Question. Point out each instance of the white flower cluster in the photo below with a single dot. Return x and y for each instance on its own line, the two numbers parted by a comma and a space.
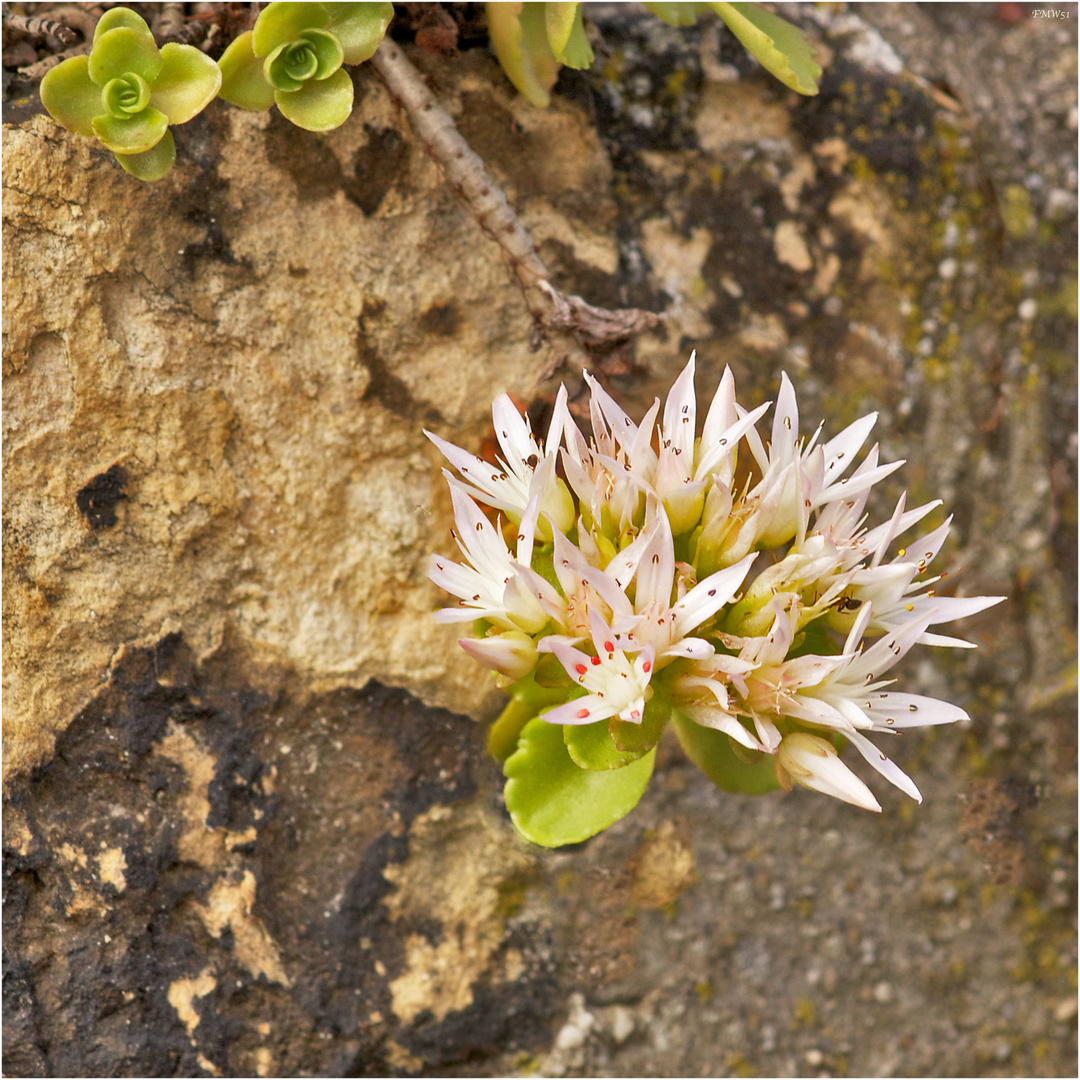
652, 562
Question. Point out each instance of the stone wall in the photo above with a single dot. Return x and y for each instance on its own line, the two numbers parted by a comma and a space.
249, 825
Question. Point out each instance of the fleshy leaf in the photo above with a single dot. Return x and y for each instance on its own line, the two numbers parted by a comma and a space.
577, 52
125, 96
528, 700
281, 74
152, 164
558, 22
282, 22
553, 802
134, 135
592, 747
319, 106
637, 738
711, 752
122, 51
70, 97
676, 14
189, 80
776, 44
117, 17
327, 50
242, 80
359, 27
519, 37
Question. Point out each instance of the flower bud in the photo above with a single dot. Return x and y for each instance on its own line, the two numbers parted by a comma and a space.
814, 763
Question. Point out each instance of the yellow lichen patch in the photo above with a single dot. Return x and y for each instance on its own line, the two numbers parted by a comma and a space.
197, 843
400, 1058
663, 867
677, 263
734, 114
183, 994
111, 867
457, 862
790, 247
229, 907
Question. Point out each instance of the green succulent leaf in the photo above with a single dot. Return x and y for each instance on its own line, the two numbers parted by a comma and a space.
592, 747
359, 28
553, 802
281, 23
676, 14
125, 96
711, 751
327, 50
559, 22
70, 97
189, 80
133, 135
577, 52
152, 164
637, 738
318, 106
528, 700
284, 68
242, 80
124, 51
519, 36
776, 44
117, 17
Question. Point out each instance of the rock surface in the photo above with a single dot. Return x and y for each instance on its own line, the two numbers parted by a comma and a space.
249, 827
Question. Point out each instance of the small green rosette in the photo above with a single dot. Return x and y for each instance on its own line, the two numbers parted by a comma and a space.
127, 93
293, 59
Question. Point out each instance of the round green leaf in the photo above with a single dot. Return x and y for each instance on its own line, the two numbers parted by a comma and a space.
576, 52
319, 106
242, 81
134, 135
189, 80
359, 28
281, 23
527, 701
558, 22
779, 47
553, 802
70, 97
289, 66
326, 49
124, 51
120, 16
519, 37
152, 164
592, 747
711, 752
125, 96
637, 738
677, 14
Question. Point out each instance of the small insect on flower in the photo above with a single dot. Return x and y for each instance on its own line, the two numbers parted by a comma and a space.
635, 600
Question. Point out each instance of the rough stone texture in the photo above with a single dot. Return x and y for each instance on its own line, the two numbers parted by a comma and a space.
243, 833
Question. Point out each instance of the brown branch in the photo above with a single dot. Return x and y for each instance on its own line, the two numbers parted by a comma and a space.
485, 201
42, 67
40, 27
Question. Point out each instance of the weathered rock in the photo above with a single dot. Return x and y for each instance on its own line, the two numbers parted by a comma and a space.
248, 824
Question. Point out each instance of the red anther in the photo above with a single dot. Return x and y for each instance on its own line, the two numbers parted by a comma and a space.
581, 669
646, 667
608, 646
595, 660
582, 713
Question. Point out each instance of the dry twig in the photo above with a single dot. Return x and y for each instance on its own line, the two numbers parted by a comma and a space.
40, 27
485, 201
